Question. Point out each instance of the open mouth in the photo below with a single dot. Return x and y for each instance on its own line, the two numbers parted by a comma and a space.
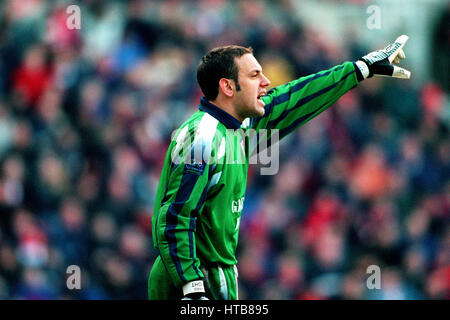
258, 97
261, 94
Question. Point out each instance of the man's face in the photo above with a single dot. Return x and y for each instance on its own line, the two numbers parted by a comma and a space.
253, 85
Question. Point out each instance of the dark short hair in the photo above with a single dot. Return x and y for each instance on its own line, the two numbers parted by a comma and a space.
219, 63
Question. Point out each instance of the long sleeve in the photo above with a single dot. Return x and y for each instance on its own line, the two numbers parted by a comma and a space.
293, 104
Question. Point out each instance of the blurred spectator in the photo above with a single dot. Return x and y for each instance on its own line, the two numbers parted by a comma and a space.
33, 76
441, 48
86, 116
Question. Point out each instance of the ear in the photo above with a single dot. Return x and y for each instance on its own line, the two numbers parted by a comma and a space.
227, 87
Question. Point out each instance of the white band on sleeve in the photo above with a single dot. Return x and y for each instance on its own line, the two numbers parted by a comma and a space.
193, 287
362, 66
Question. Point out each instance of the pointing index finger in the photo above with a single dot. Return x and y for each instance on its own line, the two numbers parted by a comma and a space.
399, 43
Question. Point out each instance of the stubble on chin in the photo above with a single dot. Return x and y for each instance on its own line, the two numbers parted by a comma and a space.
255, 113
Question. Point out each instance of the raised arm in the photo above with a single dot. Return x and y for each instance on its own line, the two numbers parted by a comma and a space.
295, 103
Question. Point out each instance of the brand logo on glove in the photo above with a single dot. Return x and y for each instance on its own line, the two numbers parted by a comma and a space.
392, 47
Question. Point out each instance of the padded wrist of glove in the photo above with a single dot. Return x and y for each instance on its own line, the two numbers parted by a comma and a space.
194, 290
363, 68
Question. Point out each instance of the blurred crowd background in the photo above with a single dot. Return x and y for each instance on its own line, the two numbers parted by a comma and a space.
86, 117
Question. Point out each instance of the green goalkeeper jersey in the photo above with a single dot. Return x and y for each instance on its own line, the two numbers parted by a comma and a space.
201, 191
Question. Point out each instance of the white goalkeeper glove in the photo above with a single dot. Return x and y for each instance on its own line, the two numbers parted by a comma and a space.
379, 62
194, 290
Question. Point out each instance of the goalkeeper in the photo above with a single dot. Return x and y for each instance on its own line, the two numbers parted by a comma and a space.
198, 204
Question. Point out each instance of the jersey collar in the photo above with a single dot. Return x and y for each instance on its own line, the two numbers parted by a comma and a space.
228, 120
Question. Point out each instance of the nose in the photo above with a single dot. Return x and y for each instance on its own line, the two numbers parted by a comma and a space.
265, 82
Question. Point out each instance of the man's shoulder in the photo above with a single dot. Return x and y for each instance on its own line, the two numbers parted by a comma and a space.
195, 137
200, 126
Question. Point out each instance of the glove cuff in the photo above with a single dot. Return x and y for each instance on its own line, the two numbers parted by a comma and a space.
363, 68
195, 286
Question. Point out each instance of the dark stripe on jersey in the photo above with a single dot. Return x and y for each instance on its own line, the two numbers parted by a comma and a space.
277, 100
273, 123
187, 184
173, 167
191, 244
192, 227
